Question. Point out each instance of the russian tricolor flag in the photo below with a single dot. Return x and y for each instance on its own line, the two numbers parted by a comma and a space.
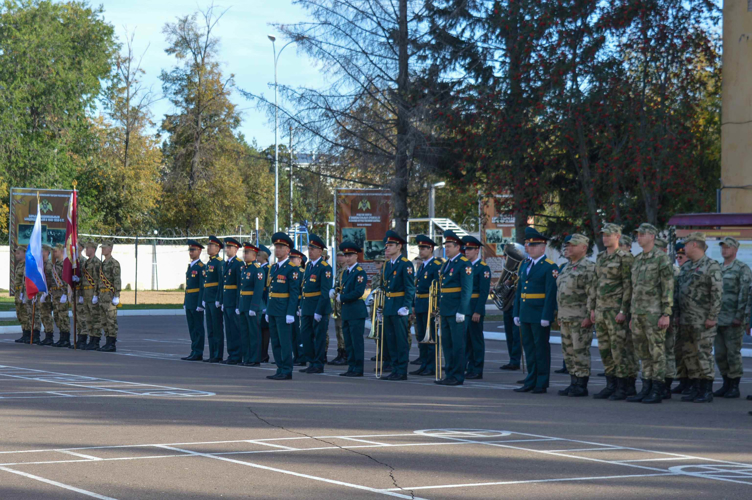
35, 280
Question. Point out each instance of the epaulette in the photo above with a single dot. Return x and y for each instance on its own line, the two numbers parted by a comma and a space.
482, 263
256, 264
549, 261
359, 268
302, 269
238, 259
200, 264
404, 259
438, 261
216, 257
324, 263
464, 259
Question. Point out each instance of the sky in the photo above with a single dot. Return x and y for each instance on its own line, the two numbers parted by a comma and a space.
245, 50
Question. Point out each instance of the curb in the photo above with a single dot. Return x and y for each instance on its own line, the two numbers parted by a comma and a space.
127, 312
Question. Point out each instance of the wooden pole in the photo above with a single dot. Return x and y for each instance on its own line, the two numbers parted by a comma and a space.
75, 332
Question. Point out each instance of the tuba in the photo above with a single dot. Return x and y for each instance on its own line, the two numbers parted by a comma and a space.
503, 293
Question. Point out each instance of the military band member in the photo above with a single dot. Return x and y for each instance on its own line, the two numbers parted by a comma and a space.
534, 307
699, 301
263, 259
45, 299
733, 318
193, 301
92, 313
354, 312
573, 287
299, 356
428, 271
609, 303
476, 344
652, 303
316, 307
399, 285
377, 282
213, 274
341, 358
19, 287
250, 305
59, 294
454, 307
283, 305
230, 283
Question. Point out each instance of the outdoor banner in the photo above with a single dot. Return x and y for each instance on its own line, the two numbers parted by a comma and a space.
53, 207
363, 216
496, 229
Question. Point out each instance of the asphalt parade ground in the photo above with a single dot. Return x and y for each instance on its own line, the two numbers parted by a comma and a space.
140, 423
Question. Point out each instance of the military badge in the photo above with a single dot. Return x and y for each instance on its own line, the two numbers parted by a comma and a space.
469, 270
294, 276
486, 274
260, 276
555, 273
425, 276
360, 279
328, 274
313, 278
409, 269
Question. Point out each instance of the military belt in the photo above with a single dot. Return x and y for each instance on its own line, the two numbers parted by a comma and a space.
56, 288
533, 295
312, 294
230, 287
246, 292
451, 290
395, 294
475, 296
193, 290
106, 289
279, 295
422, 295
87, 288
208, 285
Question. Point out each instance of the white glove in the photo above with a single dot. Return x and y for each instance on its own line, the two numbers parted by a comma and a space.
200, 309
95, 300
517, 321
264, 312
42, 297
298, 313
80, 300
203, 304
223, 307
251, 313
266, 316
317, 317
289, 319
237, 311
403, 311
217, 304
332, 293
545, 323
115, 301
75, 278
339, 299
460, 318
64, 299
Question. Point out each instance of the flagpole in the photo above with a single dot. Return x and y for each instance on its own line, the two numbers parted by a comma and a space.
33, 315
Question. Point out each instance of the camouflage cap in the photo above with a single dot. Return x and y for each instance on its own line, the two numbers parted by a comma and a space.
698, 236
729, 241
91, 243
579, 239
647, 228
661, 243
108, 243
60, 246
46, 247
625, 240
340, 252
611, 229
20, 247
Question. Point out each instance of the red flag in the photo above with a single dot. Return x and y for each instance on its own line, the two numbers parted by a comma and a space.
70, 264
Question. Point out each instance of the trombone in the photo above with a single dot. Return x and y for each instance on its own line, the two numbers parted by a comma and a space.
377, 329
433, 336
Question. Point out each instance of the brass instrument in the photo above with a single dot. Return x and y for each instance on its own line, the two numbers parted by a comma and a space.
337, 308
433, 316
504, 291
377, 328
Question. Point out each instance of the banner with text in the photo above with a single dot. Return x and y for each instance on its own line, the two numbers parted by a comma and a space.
496, 230
364, 216
53, 207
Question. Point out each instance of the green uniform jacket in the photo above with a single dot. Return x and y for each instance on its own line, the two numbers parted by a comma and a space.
231, 283
194, 286
456, 286
251, 290
399, 283
212, 275
353, 288
536, 291
284, 290
481, 287
424, 277
317, 282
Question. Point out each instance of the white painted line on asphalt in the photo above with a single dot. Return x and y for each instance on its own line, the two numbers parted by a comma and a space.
55, 483
274, 445
81, 455
296, 474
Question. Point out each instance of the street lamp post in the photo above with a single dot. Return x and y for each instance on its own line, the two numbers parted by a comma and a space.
432, 205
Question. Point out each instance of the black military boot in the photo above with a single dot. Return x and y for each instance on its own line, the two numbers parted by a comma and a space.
667, 388
607, 391
93, 344
64, 340
733, 391
25, 337
690, 393
567, 390
580, 388
704, 392
647, 387
80, 343
679, 389
109, 346
48, 340
657, 393
621, 390
36, 337
630, 388
341, 358
563, 370
724, 388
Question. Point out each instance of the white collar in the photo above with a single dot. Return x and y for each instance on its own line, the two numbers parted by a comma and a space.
476, 260
352, 267
279, 264
455, 257
426, 262
311, 264
395, 260
194, 262
538, 259
264, 264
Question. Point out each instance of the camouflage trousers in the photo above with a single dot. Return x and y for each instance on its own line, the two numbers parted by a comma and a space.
60, 313
45, 309
670, 348
697, 351
340, 335
90, 315
109, 314
23, 313
615, 345
650, 345
575, 345
728, 350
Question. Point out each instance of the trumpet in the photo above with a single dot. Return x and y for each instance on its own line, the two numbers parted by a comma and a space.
433, 335
377, 329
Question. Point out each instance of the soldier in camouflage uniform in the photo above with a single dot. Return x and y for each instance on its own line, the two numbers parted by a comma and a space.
59, 296
674, 358
109, 296
699, 302
90, 313
45, 300
652, 302
733, 318
573, 288
19, 287
609, 302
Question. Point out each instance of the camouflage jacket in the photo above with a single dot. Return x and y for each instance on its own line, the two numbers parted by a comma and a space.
652, 283
109, 278
49, 279
613, 282
735, 298
90, 274
699, 291
573, 289
57, 285
19, 283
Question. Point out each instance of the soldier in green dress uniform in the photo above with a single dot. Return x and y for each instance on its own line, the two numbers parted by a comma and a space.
250, 305
427, 273
193, 301
316, 306
476, 344
213, 273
